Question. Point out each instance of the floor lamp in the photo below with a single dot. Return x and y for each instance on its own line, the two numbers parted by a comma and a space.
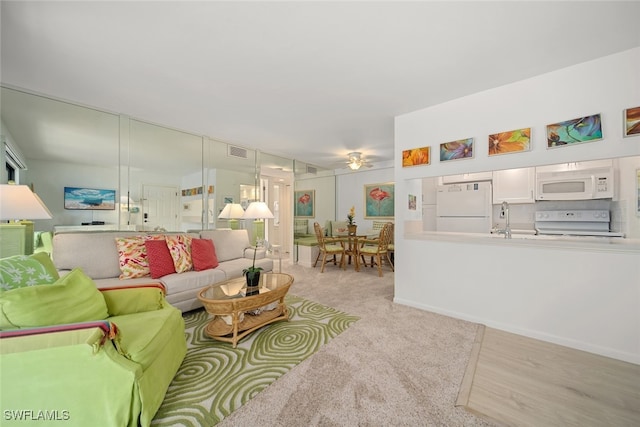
231, 212
18, 203
258, 211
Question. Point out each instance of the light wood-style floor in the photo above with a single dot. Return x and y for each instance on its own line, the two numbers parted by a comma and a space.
520, 381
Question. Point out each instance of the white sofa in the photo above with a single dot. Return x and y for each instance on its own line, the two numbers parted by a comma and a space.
97, 254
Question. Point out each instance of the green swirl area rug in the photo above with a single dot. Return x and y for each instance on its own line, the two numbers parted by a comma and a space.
216, 379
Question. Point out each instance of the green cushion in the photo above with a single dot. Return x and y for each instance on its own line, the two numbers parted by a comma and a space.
21, 270
145, 335
72, 298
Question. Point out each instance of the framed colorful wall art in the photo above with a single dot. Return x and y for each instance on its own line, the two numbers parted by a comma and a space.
89, 199
456, 150
574, 131
513, 141
416, 157
305, 203
379, 200
632, 121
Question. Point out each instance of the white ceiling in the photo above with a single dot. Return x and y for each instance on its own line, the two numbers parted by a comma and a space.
305, 80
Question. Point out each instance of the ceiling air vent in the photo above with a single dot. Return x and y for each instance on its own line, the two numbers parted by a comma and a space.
237, 152
312, 170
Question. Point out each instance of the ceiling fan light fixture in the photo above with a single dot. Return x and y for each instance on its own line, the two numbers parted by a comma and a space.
355, 161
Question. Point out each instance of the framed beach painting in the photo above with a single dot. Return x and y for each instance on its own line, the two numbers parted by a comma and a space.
416, 157
89, 199
305, 201
632, 121
456, 150
513, 141
574, 131
379, 200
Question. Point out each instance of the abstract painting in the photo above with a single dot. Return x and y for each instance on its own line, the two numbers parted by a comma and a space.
305, 203
416, 157
454, 150
575, 131
632, 121
379, 200
513, 141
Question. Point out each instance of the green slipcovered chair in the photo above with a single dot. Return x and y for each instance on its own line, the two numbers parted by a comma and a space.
82, 356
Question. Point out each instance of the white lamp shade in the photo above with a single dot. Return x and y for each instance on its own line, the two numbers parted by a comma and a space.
231, 211
19, 202
258, 210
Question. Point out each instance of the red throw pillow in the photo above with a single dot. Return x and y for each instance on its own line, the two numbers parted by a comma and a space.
159, 258
203, 254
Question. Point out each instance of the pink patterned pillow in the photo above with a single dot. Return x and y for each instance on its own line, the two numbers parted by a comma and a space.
180, 249
160, 260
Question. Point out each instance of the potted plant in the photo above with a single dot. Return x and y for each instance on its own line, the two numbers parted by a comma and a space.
253, 275
350, 221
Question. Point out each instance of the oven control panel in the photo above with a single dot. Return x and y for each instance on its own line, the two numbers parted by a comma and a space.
573, 216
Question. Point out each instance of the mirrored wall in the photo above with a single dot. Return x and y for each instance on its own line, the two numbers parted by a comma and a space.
165, 179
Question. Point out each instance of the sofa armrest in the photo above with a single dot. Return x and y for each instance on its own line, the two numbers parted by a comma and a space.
134, 299
93, 334
68, 371
260, 253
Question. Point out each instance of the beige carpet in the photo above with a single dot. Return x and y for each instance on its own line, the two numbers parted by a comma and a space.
396, 366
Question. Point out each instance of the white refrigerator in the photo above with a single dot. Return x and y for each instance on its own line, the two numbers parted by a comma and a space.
464, 208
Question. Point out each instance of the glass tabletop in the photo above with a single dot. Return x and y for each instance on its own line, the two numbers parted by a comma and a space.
237, 288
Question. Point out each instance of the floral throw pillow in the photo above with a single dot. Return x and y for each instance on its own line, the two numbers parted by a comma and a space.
133, 256
180, 249
22, 270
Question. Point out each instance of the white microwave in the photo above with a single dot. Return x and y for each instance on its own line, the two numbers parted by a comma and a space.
575, 185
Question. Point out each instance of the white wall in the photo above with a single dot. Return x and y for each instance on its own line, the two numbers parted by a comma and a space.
350, 192
325, 191
587, 299
606, 86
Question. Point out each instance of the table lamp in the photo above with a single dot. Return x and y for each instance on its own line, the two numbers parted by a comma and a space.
19, 203
231, 212
258, 211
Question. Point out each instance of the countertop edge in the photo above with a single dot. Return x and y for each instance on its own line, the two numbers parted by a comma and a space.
599, 244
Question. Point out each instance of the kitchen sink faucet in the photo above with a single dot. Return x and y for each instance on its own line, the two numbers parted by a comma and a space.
507, 226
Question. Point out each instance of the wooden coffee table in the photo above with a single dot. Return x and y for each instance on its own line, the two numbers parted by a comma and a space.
228, 301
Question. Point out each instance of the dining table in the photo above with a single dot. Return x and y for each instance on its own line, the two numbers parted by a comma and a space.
352, 246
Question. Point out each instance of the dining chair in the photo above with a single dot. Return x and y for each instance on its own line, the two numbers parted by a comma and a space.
377, 249
329, 248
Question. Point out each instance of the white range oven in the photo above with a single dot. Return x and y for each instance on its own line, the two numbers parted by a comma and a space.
575, 223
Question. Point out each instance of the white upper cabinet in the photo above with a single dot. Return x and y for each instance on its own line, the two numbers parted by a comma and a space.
467, 177
514, 186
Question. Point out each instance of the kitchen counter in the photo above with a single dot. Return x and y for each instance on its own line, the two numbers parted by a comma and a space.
526, 238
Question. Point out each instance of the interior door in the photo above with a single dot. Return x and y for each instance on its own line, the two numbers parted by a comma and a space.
159, 207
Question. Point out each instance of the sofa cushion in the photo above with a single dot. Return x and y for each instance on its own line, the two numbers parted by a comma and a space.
84, 249
144, 335
191, 280
72, 298
21, 270
180, 249
203, 254
230, 244
159, 258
